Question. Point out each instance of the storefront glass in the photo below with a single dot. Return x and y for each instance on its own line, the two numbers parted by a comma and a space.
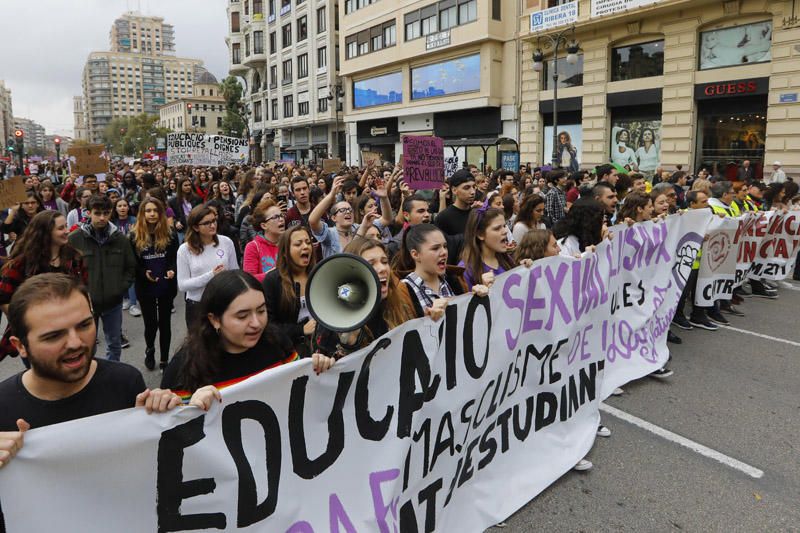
570, 141
639, 60
726, 140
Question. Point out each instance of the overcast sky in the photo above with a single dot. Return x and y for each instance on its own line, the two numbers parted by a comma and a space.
47, 43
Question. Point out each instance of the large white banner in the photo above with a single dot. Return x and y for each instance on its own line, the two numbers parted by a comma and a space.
448, 426
760, 245
205, 150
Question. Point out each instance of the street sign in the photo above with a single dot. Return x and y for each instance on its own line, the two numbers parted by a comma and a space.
788, 98
378, 131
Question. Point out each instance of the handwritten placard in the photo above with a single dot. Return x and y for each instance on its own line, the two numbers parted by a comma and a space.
331, 165
88, 159
373, 158
12, 191
424, 161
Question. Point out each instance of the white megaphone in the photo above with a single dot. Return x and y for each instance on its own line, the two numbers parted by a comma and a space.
343, 292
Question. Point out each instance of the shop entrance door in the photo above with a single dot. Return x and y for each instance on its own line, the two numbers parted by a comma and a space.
726, 137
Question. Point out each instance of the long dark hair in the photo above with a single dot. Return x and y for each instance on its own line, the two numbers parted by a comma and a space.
413, 239
585, 221
471, 254
33, 246
203, 345
527, 208
285, 265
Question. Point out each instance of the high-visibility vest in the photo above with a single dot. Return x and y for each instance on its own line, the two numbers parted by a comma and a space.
750, 205
720, 210
735, 209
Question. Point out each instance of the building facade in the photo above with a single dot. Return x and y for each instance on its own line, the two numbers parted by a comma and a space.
79, 129
202, 112
34, 136
663, 83
286, 51
446, 68
139, 74
6, 113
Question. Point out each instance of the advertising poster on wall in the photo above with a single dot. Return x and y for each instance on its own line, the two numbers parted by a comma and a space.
636, 143
570, 140
728, 47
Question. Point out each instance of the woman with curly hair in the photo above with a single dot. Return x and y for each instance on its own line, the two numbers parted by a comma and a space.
583, 227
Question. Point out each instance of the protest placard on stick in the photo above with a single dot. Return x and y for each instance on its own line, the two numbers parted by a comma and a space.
424, 161
86, 160
12, 191
331, 165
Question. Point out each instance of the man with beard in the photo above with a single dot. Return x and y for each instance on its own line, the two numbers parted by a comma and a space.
53, 327
604, 193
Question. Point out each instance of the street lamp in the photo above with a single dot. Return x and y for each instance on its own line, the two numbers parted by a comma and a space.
338, 95
573, 48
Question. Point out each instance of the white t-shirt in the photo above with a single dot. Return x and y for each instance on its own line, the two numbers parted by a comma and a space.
570, 246
195, 271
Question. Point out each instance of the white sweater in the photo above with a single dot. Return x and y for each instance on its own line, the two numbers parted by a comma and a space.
195, 271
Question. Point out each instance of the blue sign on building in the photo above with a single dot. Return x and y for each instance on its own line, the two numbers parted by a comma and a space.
788, 98
509, 160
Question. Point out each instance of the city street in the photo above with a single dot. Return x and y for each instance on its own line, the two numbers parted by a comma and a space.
714, 448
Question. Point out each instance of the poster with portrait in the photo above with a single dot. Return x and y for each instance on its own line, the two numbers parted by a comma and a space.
739, 45
636, 144
570, 140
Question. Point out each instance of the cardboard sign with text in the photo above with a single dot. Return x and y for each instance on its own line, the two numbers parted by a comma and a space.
424, 161
331, 165
88, 159
12, 191
373, 157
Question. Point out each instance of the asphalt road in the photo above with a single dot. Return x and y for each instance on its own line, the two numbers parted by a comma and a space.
735, 393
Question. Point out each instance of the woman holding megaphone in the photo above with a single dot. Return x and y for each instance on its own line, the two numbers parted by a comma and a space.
395, 307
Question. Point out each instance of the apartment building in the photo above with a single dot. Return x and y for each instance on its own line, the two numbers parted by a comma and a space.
6, 113
287, 53
33, 132
139, 74
432, 67
662, 83
200, 113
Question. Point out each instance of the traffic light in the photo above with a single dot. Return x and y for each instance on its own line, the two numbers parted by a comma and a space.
19, 139
10, 146
57, 142
189, 107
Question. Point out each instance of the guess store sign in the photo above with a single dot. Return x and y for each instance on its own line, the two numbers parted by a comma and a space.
729, 89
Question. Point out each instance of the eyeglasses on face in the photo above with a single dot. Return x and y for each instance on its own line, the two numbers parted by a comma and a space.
211, 222
345, 210
274, 217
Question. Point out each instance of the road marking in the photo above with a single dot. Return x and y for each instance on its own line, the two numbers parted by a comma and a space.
768, 337
683, 441
791, 286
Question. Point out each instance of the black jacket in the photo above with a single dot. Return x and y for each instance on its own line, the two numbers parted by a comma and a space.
286, 321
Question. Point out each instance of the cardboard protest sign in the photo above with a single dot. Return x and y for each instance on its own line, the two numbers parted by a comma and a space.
331, 165
88, 159
370, 157
12, 191
424, 161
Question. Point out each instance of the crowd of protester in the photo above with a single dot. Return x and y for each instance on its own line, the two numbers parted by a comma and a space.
239, 244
